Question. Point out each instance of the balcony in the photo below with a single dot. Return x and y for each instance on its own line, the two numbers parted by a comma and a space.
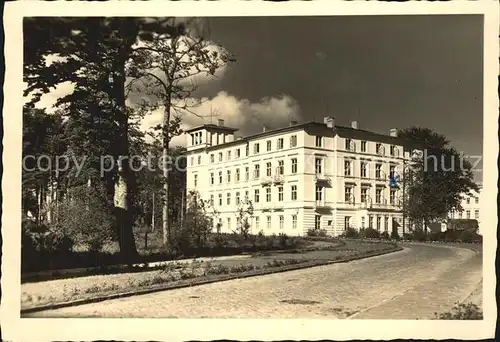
321, 178
266, 181
278, 179
349, 200
278, 206
365, 205
322, 204
266, 207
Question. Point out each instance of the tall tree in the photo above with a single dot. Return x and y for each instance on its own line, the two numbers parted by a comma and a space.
43, 139
166, 68
92, 54
439, 177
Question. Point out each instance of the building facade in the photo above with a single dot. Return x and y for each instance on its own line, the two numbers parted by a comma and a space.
301, 177
470, 208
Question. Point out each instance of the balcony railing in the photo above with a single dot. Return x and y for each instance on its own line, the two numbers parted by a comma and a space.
321, 178
278, 207
278, 179
365, 204
322, 204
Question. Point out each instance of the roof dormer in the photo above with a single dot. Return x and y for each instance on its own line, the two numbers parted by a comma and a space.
209, 135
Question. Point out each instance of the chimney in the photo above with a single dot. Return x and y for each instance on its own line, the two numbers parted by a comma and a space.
293, 123
393, 132
355, 124
329, 121
264, 128
220, 122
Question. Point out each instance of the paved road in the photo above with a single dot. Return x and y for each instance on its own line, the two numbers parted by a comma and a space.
414, 283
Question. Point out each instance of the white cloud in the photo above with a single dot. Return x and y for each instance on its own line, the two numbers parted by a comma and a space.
248, 116
48, 100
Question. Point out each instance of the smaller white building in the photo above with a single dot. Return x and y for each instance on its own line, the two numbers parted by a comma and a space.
470, 208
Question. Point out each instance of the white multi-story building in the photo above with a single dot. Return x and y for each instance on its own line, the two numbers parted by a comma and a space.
304, 176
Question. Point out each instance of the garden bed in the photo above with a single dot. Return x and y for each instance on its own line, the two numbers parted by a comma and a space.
65, 292
109, 259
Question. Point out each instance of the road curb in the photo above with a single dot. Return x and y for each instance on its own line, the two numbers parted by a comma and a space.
206, 280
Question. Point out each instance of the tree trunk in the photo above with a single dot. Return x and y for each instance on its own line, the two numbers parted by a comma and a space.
165, 221
56, 201
124, 178
36, 214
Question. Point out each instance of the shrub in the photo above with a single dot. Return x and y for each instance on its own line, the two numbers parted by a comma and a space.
462, 311
436, 236
370, 233
316, 232
219, 239
260, 239
384, 236
85, 217
351, 233
282, 240
274, 263
197, 225
418, 235
408, 236
395, 235
245, 211
469, 236
218, 269
43, 239
242, 268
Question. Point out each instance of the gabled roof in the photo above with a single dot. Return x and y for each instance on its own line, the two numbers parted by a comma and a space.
211, 127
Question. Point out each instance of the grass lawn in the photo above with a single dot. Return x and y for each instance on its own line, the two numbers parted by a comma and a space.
63, 290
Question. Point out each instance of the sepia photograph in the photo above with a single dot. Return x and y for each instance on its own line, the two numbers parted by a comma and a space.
219, 166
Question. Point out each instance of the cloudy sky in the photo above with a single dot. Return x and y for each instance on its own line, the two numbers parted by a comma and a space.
383, 71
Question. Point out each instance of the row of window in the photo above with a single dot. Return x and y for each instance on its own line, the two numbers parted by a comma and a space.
365, 197
467, 214
349, 145
256, 222
363, 170
475, 198
197, 138
348, 195
280, 144
347, 222
256, 196
280, 170
378, 222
